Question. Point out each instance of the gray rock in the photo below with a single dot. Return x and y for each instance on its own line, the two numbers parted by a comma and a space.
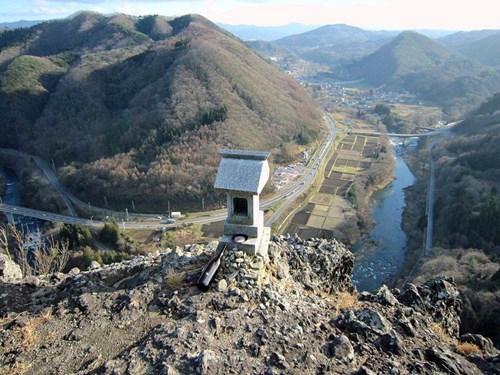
208, 363
391, 342
374, 320
32, 281
450, 362
278, 360
222, 285
384, 296
74, 271
9, 270
94, 265
363, 370
341, 348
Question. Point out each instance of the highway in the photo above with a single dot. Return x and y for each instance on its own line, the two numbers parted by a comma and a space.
310, 174
288, 194
55, 183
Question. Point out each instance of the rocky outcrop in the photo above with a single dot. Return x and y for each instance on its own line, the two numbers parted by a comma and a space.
144, 316
9, 270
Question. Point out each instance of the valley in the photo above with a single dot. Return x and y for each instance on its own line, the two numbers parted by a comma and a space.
113, 125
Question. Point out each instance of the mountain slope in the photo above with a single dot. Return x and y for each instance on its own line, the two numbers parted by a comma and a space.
461, 38
299, 316
138, 107
333, 43
486, 50
418, 64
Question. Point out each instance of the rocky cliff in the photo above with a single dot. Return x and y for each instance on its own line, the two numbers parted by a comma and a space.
296, 312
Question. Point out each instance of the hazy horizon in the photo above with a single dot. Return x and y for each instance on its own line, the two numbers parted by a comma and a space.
367, 14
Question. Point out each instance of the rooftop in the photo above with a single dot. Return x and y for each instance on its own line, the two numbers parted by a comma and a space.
241, 170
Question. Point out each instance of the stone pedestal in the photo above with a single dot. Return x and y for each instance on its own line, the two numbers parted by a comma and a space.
253, 245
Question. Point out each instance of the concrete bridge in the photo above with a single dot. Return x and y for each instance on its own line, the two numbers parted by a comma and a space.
399, 135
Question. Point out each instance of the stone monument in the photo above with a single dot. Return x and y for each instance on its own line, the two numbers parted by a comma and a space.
242, 175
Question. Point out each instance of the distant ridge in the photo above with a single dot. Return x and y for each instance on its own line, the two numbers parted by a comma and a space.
461, 38
332, 44
266, 33
486, 50
20, 23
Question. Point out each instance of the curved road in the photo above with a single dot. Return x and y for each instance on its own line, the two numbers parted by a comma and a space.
289, 193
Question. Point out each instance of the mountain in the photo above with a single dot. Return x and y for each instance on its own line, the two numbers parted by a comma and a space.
486, 50
467, 216
295, 312
266, 33
18, 24
425, 67
433, 33
330, 34
461, 38
136, 108
334, 43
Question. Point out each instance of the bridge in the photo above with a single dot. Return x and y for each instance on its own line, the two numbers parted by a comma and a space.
398, 135
441, 130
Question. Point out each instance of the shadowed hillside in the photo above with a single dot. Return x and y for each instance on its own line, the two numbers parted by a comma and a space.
137, 108
420, 65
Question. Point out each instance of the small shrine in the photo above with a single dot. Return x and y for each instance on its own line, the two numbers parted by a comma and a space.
242, 175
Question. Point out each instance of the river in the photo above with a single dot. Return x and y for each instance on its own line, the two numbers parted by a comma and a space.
381, 253
28, 225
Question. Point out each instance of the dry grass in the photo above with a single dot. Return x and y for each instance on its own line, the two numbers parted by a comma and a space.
16, 368
346, 300
467, 349
341, 301
440, 332
175, 281
29, 336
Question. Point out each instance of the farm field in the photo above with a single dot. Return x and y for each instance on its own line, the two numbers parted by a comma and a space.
328, 207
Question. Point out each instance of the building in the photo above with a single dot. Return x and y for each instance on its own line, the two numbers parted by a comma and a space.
242, 175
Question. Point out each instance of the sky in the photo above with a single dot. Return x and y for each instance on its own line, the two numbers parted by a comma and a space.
373, 14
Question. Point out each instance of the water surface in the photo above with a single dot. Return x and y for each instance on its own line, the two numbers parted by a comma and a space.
380, 254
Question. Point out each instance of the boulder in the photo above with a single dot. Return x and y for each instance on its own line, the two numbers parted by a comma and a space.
9, 270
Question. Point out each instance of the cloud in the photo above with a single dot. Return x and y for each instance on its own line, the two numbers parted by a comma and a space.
109, 2
375, 14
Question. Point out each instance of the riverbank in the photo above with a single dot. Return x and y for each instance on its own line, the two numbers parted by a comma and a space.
381, 252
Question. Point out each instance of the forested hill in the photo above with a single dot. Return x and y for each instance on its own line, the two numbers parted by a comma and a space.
468, 210
427, 68
137, 108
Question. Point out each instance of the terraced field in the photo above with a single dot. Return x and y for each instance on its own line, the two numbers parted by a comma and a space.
327, 208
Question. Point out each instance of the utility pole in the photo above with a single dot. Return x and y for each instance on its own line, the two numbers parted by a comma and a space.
105, 201
168, 209
126, 210
203, 204
133, 206
90, 208
53, 165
